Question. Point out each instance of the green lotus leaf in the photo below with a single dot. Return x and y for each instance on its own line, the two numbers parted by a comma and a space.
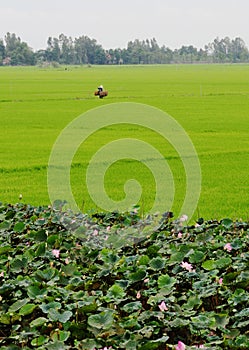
227, 223
166, 282
39, 341
19, 227
38, 322
139, 275
53, 305
115, 293
103, 320
18, 305
27, 309
157, 263
133, 306
55, 315
209, 265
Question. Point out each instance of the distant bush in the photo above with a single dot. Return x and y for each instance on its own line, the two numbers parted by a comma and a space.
84, 50
119, 281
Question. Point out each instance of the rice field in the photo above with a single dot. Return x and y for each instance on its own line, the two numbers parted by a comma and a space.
210, 102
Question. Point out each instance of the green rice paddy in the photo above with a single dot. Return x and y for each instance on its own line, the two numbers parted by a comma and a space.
211, 102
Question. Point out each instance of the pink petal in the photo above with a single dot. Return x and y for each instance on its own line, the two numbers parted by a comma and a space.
180, 346
163, 306
56, 253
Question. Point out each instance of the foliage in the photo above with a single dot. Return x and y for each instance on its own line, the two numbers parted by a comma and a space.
84, 50
16, 51
116, 280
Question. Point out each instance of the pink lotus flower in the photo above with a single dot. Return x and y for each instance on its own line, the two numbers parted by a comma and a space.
163, 306
180, 346
228, 247
183, 218
56, 253
187, 266
138, 295
95, 233
220, 281
2, 274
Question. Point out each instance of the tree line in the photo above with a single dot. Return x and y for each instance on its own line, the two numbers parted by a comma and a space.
84, 50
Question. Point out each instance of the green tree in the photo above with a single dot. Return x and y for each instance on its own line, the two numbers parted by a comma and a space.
2, 51
81, 50
87, 51
239, 51
166, 54
53, 50
67, 52
19, 52
136, 53
188, 54
220, 50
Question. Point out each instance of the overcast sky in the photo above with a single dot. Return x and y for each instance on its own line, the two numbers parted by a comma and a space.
115, 22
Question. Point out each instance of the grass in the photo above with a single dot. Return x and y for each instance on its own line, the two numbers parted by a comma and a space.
209, 101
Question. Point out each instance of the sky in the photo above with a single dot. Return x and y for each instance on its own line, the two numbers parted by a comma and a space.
113, 23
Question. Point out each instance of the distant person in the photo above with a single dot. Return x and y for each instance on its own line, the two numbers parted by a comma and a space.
100, 92
100, 88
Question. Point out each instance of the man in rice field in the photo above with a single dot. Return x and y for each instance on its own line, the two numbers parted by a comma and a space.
100, 89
